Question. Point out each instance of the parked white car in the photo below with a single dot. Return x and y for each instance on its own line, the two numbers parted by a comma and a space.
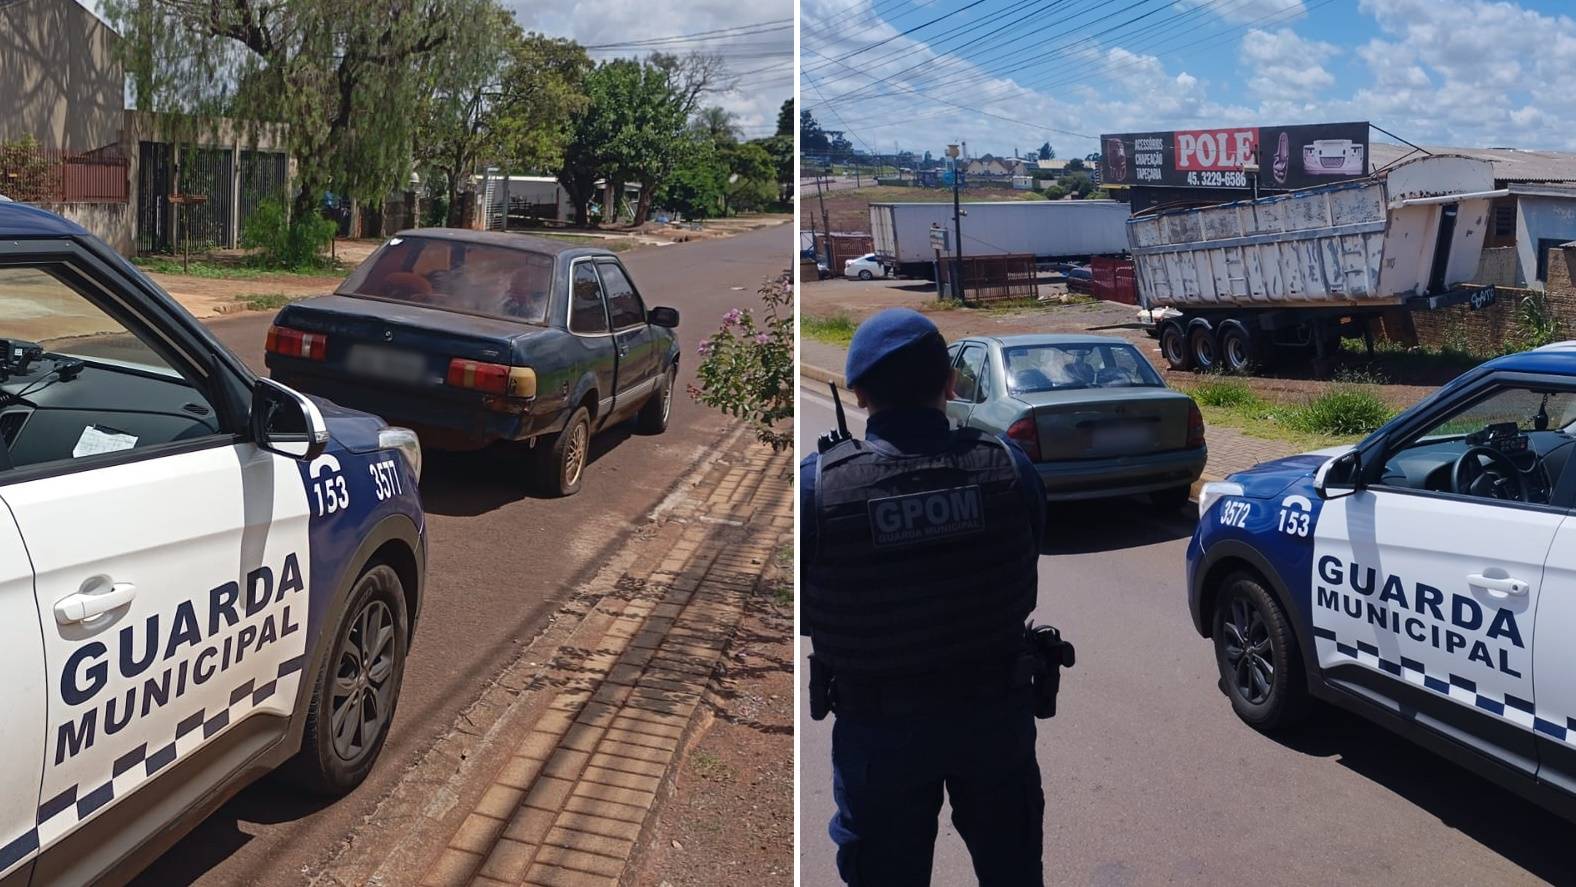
865, 267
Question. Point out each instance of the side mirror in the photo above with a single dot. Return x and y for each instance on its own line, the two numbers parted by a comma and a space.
1338, 477
286, 422
659, 316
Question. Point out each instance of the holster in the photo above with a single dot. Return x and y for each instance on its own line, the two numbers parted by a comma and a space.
820, 689
1047, 655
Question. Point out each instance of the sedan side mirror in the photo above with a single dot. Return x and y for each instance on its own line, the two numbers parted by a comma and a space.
286, 422
659, 316
1339, 476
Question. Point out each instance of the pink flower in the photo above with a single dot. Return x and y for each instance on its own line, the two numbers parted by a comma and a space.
762, 339
704, 348
732, 317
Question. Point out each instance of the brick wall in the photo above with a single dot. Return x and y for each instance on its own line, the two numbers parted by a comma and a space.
1487, 330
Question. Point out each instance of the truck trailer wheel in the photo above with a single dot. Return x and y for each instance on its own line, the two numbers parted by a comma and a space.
1202, 348
1238, 349
1174, 347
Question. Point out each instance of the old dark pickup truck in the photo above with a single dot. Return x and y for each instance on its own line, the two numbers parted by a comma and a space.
474, 337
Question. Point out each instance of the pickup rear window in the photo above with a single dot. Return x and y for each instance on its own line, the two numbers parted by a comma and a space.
442, 273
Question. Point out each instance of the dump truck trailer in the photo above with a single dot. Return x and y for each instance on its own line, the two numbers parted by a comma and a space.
1045, 229
1241, 284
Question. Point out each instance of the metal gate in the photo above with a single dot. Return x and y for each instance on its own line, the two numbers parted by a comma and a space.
210, 172
262, 179
155, 233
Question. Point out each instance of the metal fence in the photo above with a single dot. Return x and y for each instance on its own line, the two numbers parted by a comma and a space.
31, 174
992, 278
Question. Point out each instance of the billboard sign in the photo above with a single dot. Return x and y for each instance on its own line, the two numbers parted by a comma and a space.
1288, 156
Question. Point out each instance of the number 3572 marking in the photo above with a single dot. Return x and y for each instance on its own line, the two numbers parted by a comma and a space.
1235, 513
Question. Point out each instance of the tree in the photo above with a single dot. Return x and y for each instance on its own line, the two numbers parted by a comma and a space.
343, 76
1092, 158
812, 138
1073, 165
699, 182
1047, 152
752, 177
785, 119
780, 147
717, 124
1078, 184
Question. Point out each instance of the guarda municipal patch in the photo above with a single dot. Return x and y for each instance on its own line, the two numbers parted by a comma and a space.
927, 516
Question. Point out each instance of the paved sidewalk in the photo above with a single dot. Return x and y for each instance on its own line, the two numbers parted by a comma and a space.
570, 803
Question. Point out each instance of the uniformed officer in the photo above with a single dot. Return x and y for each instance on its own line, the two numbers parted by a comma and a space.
920, 546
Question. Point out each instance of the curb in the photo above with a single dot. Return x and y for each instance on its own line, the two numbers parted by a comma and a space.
579, 794
817, 374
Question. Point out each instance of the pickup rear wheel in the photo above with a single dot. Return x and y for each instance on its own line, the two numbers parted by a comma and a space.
653, 418
561, 462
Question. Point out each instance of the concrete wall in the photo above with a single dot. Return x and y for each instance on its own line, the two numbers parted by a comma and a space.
59, 80
109, 222
1497, 266
1541, 218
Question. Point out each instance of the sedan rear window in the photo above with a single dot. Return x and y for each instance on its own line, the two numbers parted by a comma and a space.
459, 276
1065, 366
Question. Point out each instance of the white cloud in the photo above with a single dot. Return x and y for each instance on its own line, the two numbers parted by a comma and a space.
759, 95
1239, 11
1282, 65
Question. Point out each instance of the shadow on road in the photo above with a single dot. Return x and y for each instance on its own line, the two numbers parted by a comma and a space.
1111, 525
1522, 832
268, 801
466, 484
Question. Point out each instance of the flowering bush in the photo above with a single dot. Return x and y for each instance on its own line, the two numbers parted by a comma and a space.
746, 367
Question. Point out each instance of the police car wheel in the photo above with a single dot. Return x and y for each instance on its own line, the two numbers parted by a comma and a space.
1256, 651
561, 461
357, 688
653, 418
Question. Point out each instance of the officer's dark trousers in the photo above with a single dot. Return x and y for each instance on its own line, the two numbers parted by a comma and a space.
888, 777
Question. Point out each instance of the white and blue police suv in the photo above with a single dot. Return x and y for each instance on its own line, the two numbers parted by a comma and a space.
204, 576
1425, 578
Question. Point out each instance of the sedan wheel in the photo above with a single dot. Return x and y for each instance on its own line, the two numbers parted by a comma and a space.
559, 461
865, 274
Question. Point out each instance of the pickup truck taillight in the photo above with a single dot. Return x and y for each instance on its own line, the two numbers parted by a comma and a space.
1025, 433
296, 343
1195, 426
493, 378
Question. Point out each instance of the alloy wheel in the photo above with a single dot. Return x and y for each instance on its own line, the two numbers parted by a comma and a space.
575, 454
361, 701
1249, 652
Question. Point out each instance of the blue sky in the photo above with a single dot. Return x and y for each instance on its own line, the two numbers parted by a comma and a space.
1454, 72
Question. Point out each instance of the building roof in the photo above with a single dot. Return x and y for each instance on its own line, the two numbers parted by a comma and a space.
1510, 164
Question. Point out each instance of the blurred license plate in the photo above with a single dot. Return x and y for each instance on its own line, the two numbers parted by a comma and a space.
1122, 438
386, 363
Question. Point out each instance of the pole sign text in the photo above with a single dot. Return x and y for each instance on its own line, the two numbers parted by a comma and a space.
1287, 156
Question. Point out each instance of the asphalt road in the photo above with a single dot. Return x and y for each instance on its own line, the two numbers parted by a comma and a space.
1150, 779
499, 562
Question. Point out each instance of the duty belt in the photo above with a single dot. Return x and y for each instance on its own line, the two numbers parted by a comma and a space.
920, 694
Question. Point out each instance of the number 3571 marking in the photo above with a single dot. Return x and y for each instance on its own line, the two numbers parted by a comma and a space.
385, 478
1235, 513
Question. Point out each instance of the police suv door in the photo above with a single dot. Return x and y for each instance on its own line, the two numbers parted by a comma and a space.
22, 699
169, 556
1422, 598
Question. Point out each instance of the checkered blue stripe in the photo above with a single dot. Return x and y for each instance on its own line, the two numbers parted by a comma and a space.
61, 813
1463, 690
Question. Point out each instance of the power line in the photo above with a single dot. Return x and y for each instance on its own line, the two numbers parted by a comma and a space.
848, 55
758, 27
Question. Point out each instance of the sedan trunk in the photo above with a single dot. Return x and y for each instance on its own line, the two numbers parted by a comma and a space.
1103, 423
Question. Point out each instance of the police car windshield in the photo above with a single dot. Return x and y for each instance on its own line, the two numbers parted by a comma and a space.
476, 278
1064, 367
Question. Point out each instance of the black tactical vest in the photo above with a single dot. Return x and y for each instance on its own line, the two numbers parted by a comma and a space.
925, 565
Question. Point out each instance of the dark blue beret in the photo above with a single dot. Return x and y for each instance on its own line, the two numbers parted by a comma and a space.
882, 334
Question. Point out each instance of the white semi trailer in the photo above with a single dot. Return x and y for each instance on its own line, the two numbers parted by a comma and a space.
1045, 229
1240, 284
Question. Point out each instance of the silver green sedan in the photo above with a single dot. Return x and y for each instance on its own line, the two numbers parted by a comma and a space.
1090, 411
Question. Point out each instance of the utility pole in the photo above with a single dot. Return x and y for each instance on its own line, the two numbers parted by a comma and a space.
957, 228
826, 226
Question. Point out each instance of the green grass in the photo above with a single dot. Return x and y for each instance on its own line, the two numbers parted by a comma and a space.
223, 270
1343, 413
708, 765
834, 329
1404, 362
268, 301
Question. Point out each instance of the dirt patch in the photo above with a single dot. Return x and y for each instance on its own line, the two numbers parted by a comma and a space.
730, 817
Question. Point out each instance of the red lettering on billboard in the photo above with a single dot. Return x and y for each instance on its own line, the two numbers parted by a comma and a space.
1215, 149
